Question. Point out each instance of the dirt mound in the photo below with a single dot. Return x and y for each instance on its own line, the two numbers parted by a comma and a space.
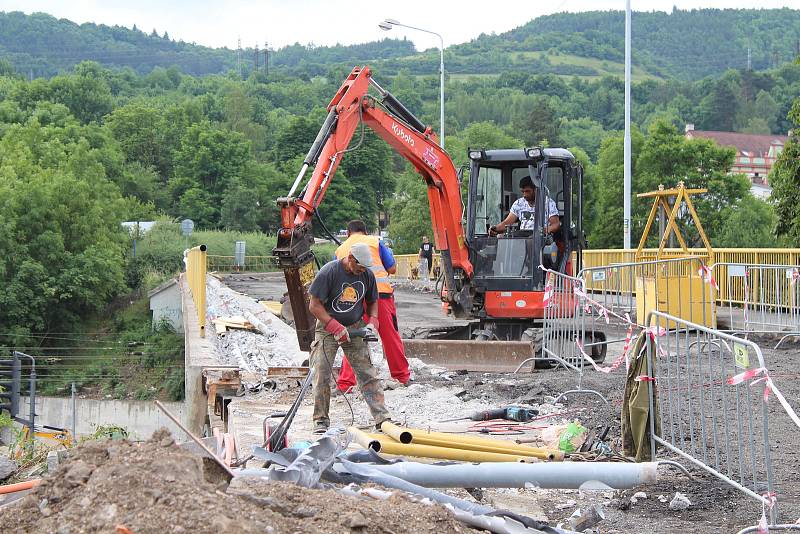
154, 487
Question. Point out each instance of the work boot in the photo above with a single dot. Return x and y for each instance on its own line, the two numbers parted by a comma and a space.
320, 427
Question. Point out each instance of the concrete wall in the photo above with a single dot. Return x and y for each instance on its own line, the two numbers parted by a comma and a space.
139, 418
199, 353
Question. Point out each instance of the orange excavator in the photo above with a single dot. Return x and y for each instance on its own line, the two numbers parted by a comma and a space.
492, 281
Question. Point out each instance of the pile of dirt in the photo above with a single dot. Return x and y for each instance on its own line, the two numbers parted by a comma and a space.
155, 486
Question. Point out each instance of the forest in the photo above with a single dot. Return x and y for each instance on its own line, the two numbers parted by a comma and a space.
681, 44
89, 148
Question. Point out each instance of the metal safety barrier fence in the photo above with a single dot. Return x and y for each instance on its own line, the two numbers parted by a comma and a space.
581, 325
703, 416
675, 286
565, 330
196, 261
759, 298
252, 264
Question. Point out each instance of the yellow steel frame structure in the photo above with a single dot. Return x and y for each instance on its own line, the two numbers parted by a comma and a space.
661, 200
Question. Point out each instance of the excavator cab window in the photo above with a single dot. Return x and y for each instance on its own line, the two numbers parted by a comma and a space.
510, 261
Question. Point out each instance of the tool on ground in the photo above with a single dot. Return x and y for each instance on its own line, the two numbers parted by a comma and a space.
197, 440
509, 413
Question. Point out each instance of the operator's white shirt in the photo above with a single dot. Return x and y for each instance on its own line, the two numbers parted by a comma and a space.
524, 212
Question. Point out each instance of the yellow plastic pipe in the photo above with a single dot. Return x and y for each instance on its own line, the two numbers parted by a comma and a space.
364, 439
387, 445
439, 439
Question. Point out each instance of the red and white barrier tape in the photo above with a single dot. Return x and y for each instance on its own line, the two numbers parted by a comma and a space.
769, 387
548, 290
707, 275
763, 524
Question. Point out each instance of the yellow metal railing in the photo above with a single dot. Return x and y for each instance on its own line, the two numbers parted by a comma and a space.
407, 265
196, 261
745, 256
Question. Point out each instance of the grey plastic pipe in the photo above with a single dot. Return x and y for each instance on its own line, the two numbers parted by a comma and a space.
563, 475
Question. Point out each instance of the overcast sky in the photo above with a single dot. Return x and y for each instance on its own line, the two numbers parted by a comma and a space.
323, 22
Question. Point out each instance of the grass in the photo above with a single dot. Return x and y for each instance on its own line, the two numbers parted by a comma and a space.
119, 355
603, 67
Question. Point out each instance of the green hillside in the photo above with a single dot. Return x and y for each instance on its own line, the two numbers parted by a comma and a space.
687, 45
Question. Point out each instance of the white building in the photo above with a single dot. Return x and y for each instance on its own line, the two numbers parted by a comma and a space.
165, 304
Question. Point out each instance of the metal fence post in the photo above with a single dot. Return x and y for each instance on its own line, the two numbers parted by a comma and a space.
74, 414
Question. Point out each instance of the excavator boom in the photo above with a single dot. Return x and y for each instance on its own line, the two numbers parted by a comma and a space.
352, 105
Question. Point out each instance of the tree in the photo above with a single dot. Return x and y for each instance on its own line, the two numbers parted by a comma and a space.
785, 181
478, 135
767, 109
410, 214
542, 125
605, 229
665, 157
210, 161
61, 238
87, 95
368, 166
718, 109
239, 210
750, 225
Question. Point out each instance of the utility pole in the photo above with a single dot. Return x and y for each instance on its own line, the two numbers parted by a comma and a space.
749, 58
239, 56
255, 58
626, 217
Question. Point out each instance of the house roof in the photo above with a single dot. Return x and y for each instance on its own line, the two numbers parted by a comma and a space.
751, 145
169, 283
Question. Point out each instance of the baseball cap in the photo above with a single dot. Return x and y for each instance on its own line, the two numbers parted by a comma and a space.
362, 254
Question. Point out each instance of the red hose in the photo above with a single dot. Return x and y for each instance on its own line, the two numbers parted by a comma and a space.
20, 486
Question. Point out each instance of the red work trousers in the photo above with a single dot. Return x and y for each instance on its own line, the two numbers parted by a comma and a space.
392, 347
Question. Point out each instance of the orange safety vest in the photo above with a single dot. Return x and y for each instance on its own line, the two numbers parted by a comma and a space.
381, 276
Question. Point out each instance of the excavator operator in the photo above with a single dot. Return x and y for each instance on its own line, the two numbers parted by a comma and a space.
523, 210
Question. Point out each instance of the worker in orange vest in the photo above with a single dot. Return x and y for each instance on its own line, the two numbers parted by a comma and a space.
383, 264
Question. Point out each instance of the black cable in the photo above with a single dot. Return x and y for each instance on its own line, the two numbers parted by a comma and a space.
325, 228
344, 393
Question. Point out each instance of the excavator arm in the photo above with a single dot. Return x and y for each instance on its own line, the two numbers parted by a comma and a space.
388, 117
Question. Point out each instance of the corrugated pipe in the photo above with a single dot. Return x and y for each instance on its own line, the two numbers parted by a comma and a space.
453, 441
388, 446
565, 475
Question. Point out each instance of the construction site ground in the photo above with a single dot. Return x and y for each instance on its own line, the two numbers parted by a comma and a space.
436, 394
155, 486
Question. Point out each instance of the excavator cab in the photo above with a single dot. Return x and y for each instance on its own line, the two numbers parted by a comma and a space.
508, 282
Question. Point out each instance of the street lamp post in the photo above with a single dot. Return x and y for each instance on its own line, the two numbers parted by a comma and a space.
387, 25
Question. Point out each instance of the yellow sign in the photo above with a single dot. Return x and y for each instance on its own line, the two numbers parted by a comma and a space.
741, 356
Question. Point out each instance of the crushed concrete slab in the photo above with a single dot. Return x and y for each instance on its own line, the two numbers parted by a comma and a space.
252, 351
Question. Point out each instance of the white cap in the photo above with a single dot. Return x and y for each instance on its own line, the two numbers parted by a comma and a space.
362, 254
